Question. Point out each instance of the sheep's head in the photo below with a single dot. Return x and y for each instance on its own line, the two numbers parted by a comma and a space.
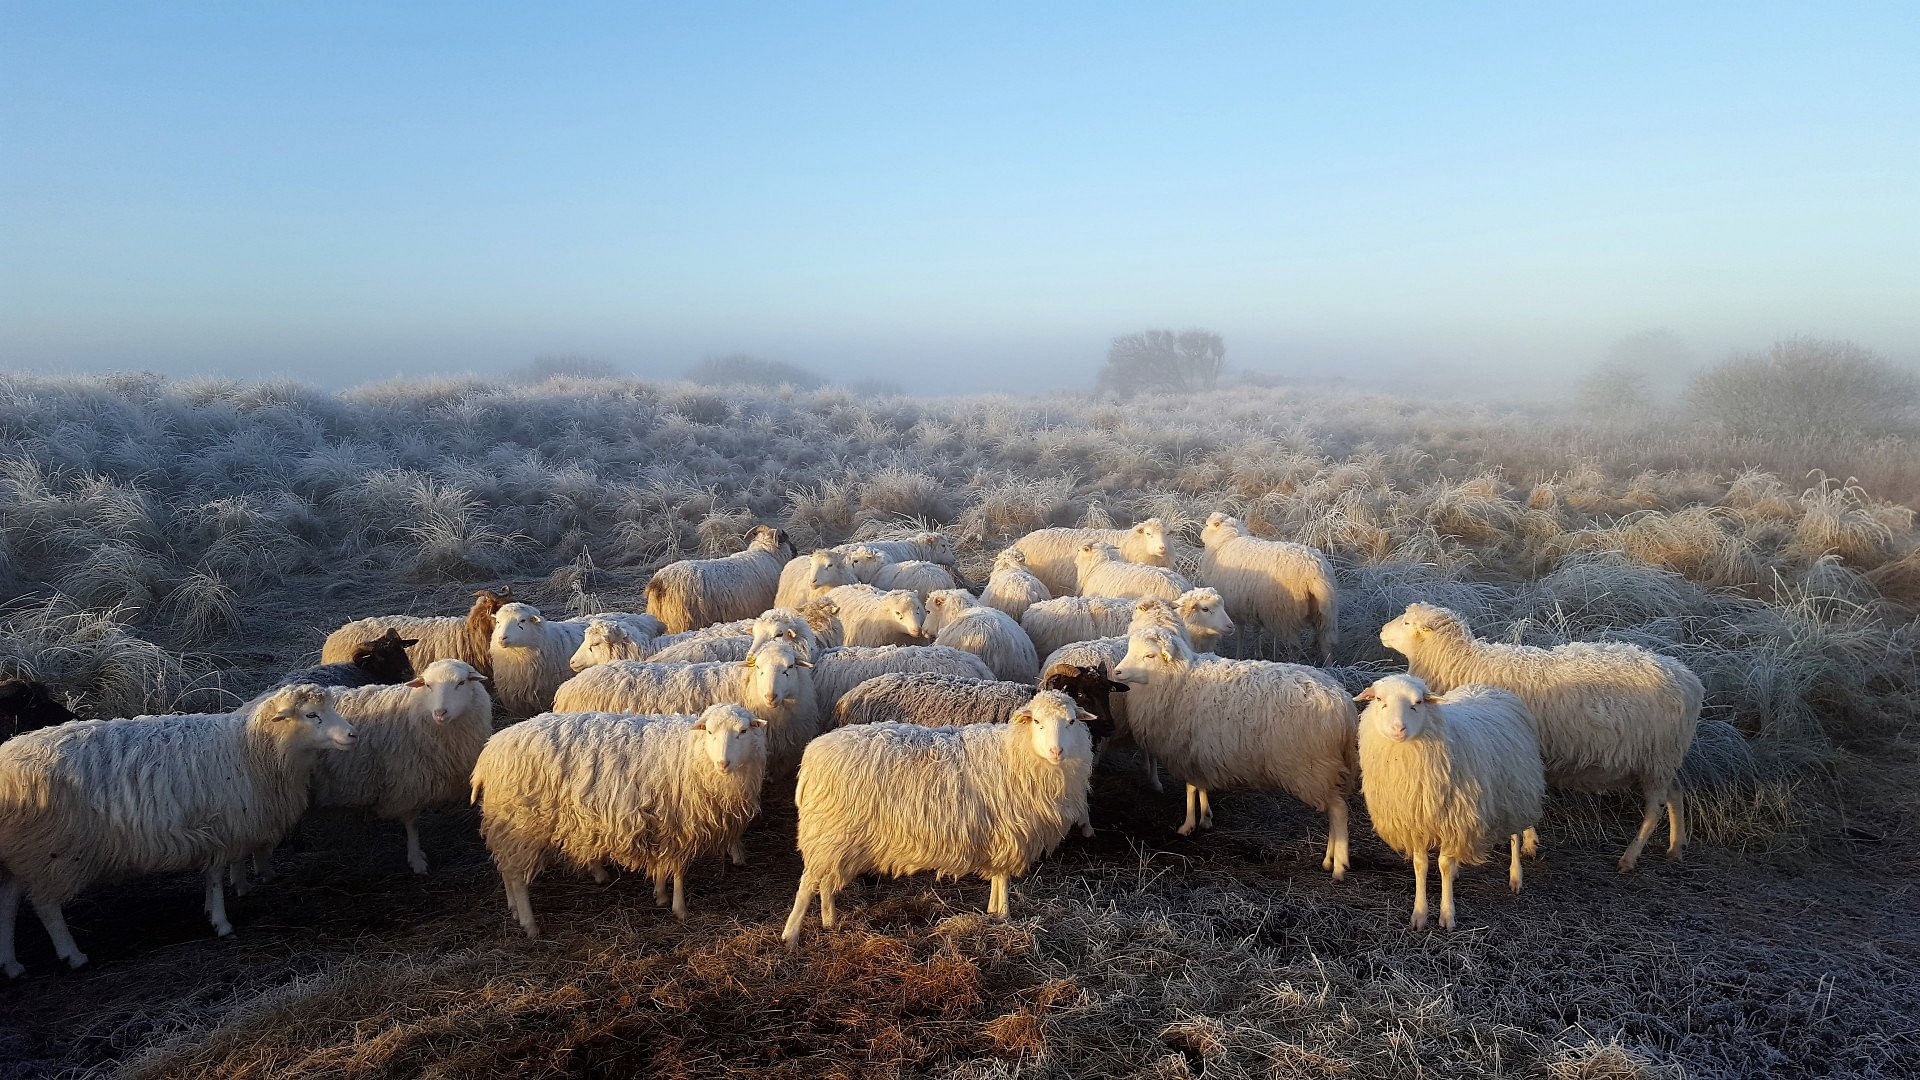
945, 605
1153, 655
1397, 707
865, 562
774, 674
829, 568
1093, 553
768, 538
1052, 726
732, 736
906, 611
26, 705
1010, 559
518, 626
938, 548
384, 659
453, 690
1221, 528
1421, 625
603, 642
782, 624
823, 616
1151, 611
1092, 693
1205, 614
1150, 538
301, 717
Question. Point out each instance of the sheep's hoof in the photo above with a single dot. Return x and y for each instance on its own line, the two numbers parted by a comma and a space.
792, 941
14, 970
77, 960
1446, 922
1419, 920
1185, 830
220, 929
1086, 830
1340, 872
1626, 865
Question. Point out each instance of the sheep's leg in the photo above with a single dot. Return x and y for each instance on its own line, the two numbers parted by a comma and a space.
1648, 821
1676, 823
237, 877
56, 923
997, 897
737, 854
1530, 843
9, 911
828, 916
1336, 857
680, 895
802, 898
1193, 811
1086, 827
217, 899
520, 904
659, 890
1513, 864
1448, 867
1419, 921
1153, 772
1206, 810
416, 858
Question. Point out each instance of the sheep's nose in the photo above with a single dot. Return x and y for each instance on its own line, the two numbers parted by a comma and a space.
1054, 754
439, 714
576, 665
1397, 732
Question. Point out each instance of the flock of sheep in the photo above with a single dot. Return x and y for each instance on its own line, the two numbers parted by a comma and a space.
930, 728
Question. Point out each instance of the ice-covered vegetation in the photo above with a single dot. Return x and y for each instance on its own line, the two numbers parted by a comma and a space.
175, 545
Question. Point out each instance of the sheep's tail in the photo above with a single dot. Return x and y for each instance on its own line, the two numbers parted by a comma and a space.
1323, 611
478, 783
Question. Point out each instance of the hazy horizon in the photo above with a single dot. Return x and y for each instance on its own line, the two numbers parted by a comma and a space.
952, 200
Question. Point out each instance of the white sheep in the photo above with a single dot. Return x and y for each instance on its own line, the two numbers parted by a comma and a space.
1454, 773
898, 799
1242, 724
1011, 587
774, 683
415, 745
809, 576
777, 623
930, 546
864, 562
1281, 587
838, 671
917, 576
871, 616
532, 654
649, 793
957, 618
692, 593
930, 700
1064, 620
605, 640
1053, 554
96, 800
435, 637
1104, 573
1609, 714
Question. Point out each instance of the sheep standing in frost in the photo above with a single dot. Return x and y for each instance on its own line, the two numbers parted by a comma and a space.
838, 671
1242, 724
415, 747
917, 576
1064, 620
1053, 554
1011, 587
957, 618
533, 655
774, 683
809, 576
1104, 573
930, 700
692, 593
650, 793
870, 616
1276, 585
380, 662
1609, 714
1454, 774
211, 789
898, 799
439, 637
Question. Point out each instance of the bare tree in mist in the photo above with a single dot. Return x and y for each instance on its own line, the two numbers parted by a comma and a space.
1163, 360
1806, 388
742, 369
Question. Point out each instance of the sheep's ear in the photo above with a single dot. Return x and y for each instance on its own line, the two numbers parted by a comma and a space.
757, 722
700, 725
804, 663
1024, 716
749, 661
539, 619
408, 643
417, 683
1429, 700
477, 677
1116, 687
1364, 695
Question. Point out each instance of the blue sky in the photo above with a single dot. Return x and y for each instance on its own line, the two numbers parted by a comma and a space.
974, 194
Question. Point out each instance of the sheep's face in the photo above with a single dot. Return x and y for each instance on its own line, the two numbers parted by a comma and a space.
938, 548
1092, 693
1052, 726
946, 605
1221, 528
1397, 707
768, 538
1093, 553
603, 643
733, 737
1152, 655
309, 720
829, 568
1205, 614
518, 626
905, 609
384, 659
1150, 537
775, 674
784, 626
1009, 559
452, 689
1413, 629
865, 563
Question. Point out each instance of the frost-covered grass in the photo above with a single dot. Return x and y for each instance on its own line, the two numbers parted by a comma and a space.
165, 545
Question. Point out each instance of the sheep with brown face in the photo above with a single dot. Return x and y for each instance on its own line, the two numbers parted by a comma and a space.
436, 637
1091, 690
